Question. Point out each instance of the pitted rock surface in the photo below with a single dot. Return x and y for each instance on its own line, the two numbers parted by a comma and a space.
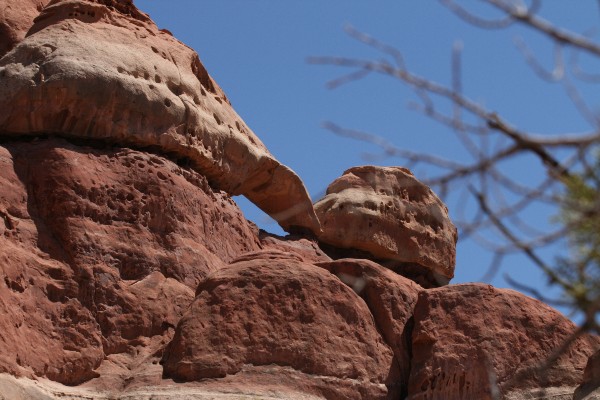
388, 213
99, 249
283, 312
101, 69
125, 273
45, 329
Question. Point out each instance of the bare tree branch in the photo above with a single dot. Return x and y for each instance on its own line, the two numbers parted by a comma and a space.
539, 24
486, 174
475, 20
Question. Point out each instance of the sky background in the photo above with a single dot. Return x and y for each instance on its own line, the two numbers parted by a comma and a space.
257, 52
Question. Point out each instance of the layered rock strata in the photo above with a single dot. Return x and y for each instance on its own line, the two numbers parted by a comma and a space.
387, 213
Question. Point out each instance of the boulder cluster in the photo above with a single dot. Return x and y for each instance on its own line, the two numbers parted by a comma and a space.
128, 272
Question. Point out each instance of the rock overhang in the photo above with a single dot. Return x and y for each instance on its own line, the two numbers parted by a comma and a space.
102, 70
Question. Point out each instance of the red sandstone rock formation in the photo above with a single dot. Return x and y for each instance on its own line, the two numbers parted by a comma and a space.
100, 248
16, 17
590, 387
474, 341
388, 213
275, 310
391, 300
308, 250
116, 78
125, 274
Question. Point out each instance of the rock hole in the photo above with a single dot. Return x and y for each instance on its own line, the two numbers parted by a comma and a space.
157, 79
161, 175
217, 119
237, 125
14, 285
176, 89
217, 98
202, 74
154, 49
168, 103
120, 70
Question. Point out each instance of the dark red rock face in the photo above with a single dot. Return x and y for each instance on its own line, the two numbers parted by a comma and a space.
391, 299
45, 329
470, 341
16, 17
590, 387
99, 248
282, 312
130, 211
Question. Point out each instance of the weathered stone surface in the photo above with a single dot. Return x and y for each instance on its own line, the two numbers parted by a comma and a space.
102, 246
472, 340
590, 387
266, 385
130, 211
308, 250
282, 312
99, 249
592, 370
16, 17
45, 331
101, 69
388, 213
391, 300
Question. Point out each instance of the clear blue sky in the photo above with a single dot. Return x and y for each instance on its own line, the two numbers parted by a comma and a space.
256, 50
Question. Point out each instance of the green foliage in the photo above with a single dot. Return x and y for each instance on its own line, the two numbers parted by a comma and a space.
580, 213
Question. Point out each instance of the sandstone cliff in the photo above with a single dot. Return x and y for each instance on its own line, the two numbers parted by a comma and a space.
128, 272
